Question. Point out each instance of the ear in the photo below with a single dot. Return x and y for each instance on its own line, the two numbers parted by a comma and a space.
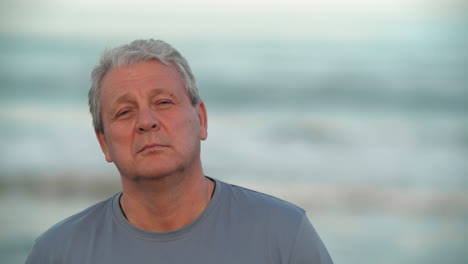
202, 116
103, 143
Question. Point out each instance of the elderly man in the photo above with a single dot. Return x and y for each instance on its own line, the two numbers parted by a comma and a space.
149, 121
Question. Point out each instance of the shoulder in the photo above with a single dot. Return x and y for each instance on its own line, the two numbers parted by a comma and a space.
77, 226
263, 205
282, 224
76, 222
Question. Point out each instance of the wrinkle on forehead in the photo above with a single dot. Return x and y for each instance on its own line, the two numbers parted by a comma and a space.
137, 75
128, 97
133, 73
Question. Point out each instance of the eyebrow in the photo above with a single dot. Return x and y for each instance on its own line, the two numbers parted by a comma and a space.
127, 97
158, 91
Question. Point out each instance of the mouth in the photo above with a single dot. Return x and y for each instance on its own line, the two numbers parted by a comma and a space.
151, 147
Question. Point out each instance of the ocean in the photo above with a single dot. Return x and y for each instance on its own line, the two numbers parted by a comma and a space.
370, 137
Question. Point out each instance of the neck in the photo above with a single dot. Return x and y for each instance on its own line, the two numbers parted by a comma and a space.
165, 204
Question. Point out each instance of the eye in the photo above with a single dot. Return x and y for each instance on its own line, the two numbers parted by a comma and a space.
123, 113
164, 103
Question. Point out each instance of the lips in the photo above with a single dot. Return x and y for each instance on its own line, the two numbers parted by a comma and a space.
149, 147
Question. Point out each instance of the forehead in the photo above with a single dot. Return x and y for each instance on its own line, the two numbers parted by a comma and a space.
141, 77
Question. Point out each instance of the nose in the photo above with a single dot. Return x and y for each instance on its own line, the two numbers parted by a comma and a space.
147, 121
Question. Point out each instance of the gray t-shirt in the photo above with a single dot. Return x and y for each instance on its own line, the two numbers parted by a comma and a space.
237, 226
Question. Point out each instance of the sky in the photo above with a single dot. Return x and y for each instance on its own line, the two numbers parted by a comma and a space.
203, 18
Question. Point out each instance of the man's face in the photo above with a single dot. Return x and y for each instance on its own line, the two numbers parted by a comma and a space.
151, 129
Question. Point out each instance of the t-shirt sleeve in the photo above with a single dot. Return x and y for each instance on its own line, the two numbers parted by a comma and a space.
308, 247
39, 254
46, 249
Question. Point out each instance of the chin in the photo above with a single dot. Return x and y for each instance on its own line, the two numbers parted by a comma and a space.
151, 173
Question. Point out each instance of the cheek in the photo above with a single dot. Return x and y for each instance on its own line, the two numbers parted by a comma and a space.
187, 131
184, 122
119, 138
194, 127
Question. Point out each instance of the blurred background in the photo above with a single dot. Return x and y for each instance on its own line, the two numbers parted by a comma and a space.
354, 110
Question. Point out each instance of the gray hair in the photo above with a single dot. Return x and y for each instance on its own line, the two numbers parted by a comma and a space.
135, 52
